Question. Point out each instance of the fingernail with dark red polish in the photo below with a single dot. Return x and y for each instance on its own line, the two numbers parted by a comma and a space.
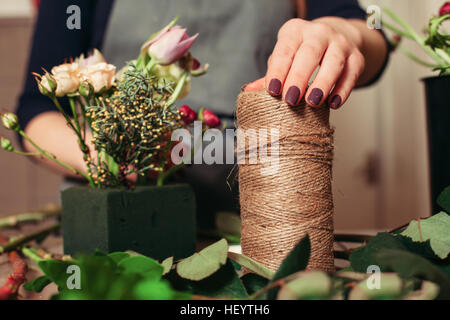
335, 102
315, 96
292, 96
275, 87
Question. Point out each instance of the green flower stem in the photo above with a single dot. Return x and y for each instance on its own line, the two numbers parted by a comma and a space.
81, 140
75, 115
163, 177
28, 217
26, 153
32, 254
415, 36
52, 158
14, 243
178, 89
415, 58
397, 31
60, 109
444, 55
149, 66
77, 131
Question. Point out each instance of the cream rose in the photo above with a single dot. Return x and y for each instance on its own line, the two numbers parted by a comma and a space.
67, 77
100, 75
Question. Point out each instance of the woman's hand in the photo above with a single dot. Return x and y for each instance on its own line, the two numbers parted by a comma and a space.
333, 43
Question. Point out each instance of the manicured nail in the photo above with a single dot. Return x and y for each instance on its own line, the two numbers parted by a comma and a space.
315, 96
292, 96
275, 87
335, 102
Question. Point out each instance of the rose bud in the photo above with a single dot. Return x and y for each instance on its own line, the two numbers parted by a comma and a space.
10, 121
209, 118
171, 46
46, 83
187, 114
157, 35
101, 76
86, 89
445, 9
6, 144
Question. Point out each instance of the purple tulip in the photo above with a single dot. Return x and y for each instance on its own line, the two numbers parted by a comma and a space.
170, 45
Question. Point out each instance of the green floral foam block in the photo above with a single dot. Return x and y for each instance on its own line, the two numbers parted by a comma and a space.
158, 222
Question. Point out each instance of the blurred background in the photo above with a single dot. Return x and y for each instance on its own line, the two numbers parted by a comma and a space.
380, 167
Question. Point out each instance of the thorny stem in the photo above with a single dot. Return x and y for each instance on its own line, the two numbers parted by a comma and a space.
15, 220
15, 280
21, 240
81, 141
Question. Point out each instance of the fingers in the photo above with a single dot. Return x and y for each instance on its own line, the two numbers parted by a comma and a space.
306, 61
354, 67
333, 64
289, 40
301, 48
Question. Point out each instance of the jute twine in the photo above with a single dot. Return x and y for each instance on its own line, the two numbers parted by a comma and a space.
280, 208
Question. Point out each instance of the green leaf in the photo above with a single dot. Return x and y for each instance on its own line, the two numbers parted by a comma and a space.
118, 256
153, 290
224, 283
204, 263
421, 248
144, 266
364, 257
167, 265
38, 284
251, 265
253, 282
428, 291
435, 229
409, 265
295, 261
113, 166
391, 287
228, 223
444, 199
55, 270
309, 285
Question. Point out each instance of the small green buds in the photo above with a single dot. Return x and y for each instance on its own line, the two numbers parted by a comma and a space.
6, 144
10, 121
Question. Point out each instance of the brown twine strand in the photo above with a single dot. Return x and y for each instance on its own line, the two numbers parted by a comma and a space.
279, 209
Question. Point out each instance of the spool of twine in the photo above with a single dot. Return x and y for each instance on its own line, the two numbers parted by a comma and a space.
278, 209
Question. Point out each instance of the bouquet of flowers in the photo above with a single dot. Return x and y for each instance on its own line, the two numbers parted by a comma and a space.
436, 43
127, 117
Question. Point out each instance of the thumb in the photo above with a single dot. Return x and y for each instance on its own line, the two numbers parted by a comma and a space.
257, 85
